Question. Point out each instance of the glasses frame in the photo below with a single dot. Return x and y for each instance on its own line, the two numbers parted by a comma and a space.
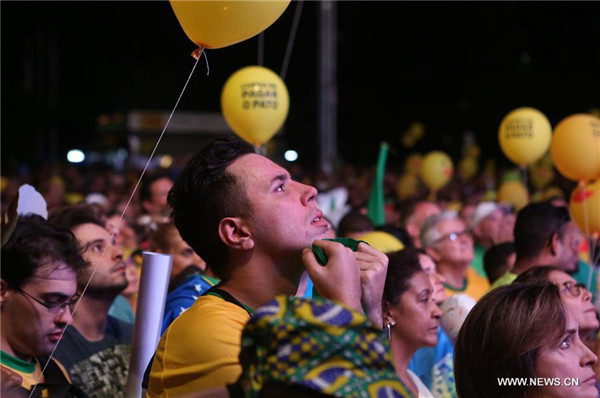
452, 236
53, 308
574, 289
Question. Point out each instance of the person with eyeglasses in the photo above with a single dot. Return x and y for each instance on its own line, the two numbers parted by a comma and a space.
574, 295
96, 347
447, 240
38, 290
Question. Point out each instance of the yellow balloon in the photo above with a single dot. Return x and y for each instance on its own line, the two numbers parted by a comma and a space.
585, 207
255, 103
407, 186
382, 241
514, 193
524, 135
217, 24
576, 147
413, 163
436, 170
467, 167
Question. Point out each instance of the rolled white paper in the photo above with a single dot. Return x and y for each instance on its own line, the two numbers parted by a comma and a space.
152, 294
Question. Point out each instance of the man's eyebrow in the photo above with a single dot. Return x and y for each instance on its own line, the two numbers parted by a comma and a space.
92, 242
279, 177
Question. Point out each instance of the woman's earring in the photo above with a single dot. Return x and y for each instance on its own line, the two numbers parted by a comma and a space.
388, 326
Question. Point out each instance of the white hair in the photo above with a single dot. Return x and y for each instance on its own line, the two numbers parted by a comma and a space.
429, 232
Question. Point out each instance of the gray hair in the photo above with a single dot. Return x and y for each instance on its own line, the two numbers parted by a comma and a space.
429, 232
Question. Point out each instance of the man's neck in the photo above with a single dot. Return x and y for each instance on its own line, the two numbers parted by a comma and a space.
259, 280
7, 348
454, 273
91, 315
524, 264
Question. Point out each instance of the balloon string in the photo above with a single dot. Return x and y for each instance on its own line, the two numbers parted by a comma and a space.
120, 219
523, 168
291, 39
261, 49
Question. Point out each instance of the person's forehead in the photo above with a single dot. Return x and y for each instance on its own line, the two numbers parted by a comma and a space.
453, 224
560, 277
88, 232
419, 281
253, 168
161, 184
426, 261
50, 273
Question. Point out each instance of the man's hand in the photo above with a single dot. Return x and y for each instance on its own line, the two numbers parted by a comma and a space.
339, 279
373, 270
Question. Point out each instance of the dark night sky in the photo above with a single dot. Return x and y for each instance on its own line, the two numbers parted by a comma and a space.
453, 66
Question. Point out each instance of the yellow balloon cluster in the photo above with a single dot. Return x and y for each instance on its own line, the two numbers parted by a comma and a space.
585, 207
576, 147
436, 170
255, 103
217, 24
524, 135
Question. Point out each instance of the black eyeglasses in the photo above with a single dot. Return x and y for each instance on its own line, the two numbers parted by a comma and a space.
574, 289
54, 307
453, 236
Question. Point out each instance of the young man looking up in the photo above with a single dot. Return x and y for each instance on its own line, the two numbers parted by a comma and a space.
95, 348
254, 226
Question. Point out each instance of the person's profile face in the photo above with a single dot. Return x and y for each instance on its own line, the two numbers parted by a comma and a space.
418, 314
436, 279
567, 362
285, 216
183, 255
568, 251
104, 256
578, 299
455, 244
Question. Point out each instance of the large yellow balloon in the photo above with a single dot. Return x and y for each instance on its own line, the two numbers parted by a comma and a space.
436, 170
585, 207
514, 193
217, 24
575, 147
382, 241
524, 135
255, 103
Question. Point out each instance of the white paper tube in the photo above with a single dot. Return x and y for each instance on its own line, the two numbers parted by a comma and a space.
152, 294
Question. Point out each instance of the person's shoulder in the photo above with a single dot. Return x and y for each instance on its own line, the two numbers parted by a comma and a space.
119, 328
505, 279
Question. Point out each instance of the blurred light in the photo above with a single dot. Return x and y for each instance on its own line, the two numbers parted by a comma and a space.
103, 120
291, 155
166, 161
525, 58
75, 156
122, 153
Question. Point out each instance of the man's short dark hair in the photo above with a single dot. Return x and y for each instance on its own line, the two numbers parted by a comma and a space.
354, 221
495, 260
33, 244
69, 217
205, 193
535, 225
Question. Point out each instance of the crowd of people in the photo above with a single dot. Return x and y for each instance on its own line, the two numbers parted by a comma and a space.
455, 296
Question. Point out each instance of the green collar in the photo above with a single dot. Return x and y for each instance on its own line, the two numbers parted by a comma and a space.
16, 363
460, 289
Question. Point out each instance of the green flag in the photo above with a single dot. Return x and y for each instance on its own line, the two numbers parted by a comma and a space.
376, 201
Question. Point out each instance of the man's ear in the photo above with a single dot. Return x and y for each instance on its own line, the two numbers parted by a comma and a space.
4, 291
554, 244
431, 252
234, 233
